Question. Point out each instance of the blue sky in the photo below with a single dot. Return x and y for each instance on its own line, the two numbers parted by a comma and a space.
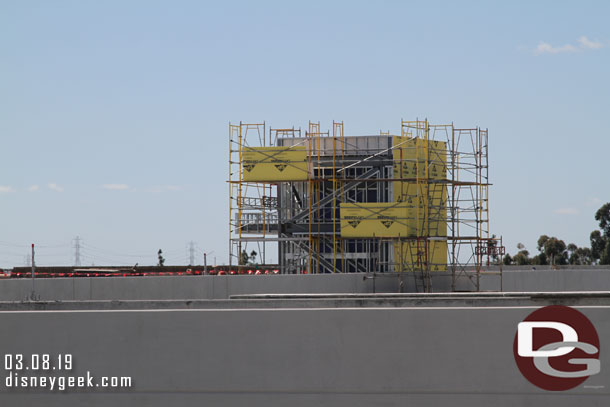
113, 115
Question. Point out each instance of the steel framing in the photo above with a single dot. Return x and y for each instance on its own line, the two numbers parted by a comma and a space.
301, 217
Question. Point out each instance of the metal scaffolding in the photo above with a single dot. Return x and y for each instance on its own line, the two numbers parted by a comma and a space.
416, 202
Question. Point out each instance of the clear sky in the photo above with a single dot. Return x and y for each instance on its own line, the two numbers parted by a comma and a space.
114, 114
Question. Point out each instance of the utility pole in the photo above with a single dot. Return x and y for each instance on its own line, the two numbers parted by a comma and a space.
191, 253
205, 261
33, 295
77, 251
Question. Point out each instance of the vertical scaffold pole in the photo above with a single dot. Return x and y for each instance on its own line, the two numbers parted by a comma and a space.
309, 196
334, 205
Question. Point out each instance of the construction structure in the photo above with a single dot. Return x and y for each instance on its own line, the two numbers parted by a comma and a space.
414, 202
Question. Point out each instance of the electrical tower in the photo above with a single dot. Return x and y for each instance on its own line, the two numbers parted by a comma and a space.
191, 245
77, 242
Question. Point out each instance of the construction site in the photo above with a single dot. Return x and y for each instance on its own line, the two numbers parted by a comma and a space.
379, 284
335, 204
320, 201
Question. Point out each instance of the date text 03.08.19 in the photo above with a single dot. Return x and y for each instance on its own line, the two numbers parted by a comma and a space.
37, 362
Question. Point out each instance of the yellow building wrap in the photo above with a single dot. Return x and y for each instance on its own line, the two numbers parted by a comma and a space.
390, 219
377, 219
274, 164
410, 255
420, 167
419, 208
409, 161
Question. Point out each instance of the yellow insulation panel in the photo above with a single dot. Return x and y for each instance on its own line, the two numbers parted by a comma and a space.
390, 219
410, 157
411, 255
418, 163
379, 219
274, 164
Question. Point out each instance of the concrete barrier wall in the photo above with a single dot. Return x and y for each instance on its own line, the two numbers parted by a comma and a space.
293, 357
183, 287
597, 279
221, 287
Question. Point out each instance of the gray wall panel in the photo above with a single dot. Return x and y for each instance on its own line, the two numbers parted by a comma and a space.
221, 287
458, 356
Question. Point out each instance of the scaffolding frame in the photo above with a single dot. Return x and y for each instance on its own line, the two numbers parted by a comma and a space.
302, 217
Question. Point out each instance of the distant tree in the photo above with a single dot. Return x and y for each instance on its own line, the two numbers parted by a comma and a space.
584, 255
580, 256
570, 255
522, 258
554, 249
507, 260
244, 258
540, 259
253, 255
247, 259
160, 258
598, 244
600, 241
561, 259
605, 256
603, 217
572, 248
541, 241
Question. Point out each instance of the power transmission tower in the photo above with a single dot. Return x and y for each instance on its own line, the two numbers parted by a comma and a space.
191, 253
77, 241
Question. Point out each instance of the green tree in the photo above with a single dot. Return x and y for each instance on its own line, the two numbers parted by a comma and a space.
161, 259
540, 259
571, 254
605, 256
554, 249
253, 255
561, 259
598, 244
541, 241
581, 256
243, 258
572, 248
600, 241
522, 258
603, 217
507, 260
247, 259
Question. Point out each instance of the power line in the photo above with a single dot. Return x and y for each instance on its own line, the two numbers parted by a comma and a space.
54, 246
110, 252
12, 244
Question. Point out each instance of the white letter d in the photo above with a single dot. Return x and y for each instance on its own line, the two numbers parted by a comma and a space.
525, 338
